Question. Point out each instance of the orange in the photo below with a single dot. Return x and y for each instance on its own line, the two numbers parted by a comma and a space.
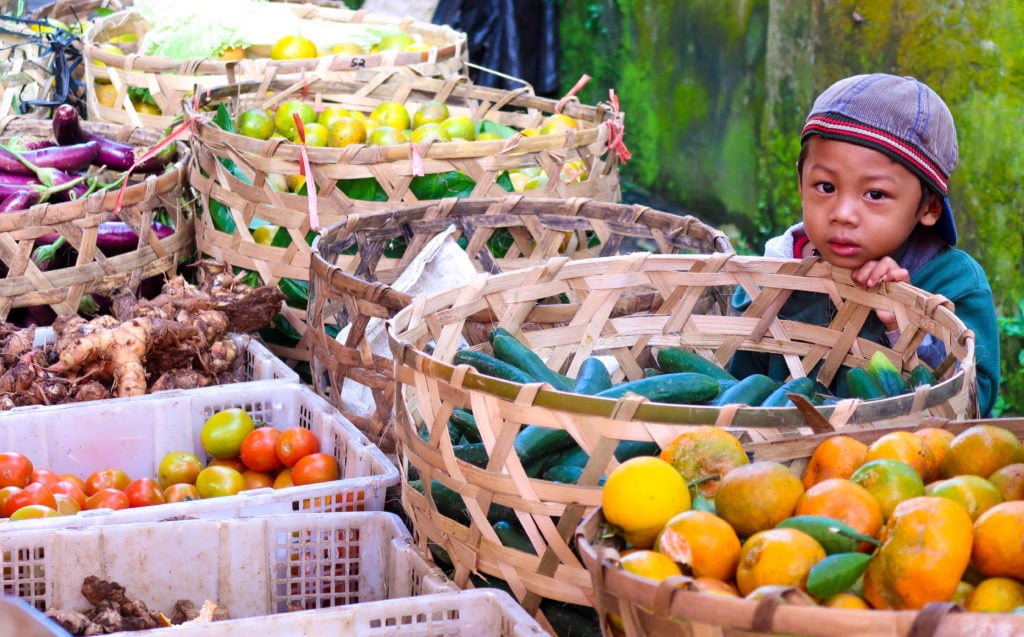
257, 123
430, 112
558, 123
392, 114
846, 501
293, 47
995, 595
284, 120
713, 586
106, 94
641, 495
429, 132
974, 493
346, 131
926, 546
650, 564
890, 481
460, 127
386, 136
703, 452
998, 538
757, 496
905, 447
938, 441
703, 542
980, 450
395, 41
846, 600
779, 557
1009, 480
331, 114
835, 457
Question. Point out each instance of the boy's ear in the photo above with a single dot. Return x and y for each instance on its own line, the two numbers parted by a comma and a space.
931, 210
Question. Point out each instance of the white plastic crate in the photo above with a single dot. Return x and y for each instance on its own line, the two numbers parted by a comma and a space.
253, 566
473, 613
135, 434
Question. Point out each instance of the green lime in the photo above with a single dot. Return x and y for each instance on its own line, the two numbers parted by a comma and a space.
257, 123
285, 123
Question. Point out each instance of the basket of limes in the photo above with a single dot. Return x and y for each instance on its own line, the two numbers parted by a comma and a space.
890, 531
467, 141
140, 63
505, 437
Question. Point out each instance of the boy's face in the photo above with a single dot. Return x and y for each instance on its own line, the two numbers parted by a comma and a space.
858, 204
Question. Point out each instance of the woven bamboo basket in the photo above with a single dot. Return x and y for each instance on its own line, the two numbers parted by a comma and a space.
469, 169
526, 302
157, 197
355, 288
72, 12
169, 81
26, 65
674, 607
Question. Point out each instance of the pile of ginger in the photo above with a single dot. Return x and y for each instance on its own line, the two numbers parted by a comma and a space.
181, 339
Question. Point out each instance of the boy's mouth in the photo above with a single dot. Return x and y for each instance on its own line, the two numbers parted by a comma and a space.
842, 247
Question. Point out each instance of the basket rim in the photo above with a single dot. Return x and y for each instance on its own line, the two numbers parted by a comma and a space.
852, 410
455, 46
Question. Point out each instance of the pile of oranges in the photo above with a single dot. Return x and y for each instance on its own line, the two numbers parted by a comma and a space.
925, 516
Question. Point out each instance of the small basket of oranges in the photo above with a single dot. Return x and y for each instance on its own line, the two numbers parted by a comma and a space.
892, 531
142, 62
467, 141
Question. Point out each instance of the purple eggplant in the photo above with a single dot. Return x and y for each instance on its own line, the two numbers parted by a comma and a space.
115, 155
117, 237
68, 158
31, 142
19, 200
59, 191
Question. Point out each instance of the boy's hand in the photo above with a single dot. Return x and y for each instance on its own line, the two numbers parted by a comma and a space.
872, 273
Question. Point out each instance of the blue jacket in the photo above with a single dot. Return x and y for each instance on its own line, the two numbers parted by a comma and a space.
951, 273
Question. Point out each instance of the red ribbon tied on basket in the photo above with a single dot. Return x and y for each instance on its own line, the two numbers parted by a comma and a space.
307, 172
617, 130
416, 160
179, 130
580, 83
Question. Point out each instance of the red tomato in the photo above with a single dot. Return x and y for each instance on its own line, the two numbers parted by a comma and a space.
44, 476
15, 469
30, 511
259, 451
106, 479
144, 492
294, 443
33, 493
66, 505
314, 468
231, 463
178, 466
5, 493
257, 480
283, 479
181, 492
107, 498
70, 489
73, 479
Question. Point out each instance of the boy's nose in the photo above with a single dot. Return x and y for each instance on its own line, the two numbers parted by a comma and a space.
844, 210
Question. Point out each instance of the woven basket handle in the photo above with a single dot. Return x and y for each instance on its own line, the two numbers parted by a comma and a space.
929, 618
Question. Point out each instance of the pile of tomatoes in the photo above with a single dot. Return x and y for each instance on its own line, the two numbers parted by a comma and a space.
240, 455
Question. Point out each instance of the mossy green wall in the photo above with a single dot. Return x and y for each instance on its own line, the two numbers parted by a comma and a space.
715, 93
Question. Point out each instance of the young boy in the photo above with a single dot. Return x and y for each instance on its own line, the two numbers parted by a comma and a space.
876, 154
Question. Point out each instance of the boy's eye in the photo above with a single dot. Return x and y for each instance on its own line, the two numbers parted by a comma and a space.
825, 187
875, 195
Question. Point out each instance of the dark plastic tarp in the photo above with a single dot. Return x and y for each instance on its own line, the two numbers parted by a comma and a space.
515, 37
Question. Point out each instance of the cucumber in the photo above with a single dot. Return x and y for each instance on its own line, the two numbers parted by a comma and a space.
571, 620
592, 377
491, 366
513, 537
801, 385
627, 449
887, 375
651, 371
861, 384
566, 474
674, 359
515, 353
678, 388
534, 442
751, 390
474, 453
921, 375
465, 424
499, 331
448, 502
575, 456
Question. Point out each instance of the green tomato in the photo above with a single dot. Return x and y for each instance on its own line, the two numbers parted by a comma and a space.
223, 432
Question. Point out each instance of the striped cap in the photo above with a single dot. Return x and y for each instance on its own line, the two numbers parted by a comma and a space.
898, 116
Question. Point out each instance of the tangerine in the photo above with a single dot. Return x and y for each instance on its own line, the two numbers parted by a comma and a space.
995, 595
757, 496
846, 501
777, 557
702, 452
890, 482
905, 447
938, 441
293, 47
346, 131
926, 546
974, 493
1009, 480
835, 457
703, 542
998, 538
981, 450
